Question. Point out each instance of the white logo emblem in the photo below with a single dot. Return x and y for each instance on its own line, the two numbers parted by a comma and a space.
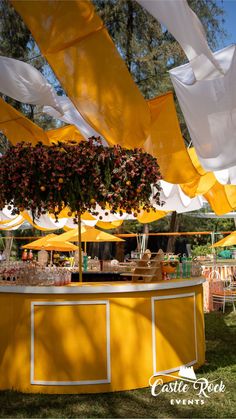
183, 382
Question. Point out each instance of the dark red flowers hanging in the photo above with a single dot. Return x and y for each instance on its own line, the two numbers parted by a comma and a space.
78, 176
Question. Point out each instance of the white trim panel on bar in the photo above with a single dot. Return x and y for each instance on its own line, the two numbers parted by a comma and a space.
192, 362
108, 349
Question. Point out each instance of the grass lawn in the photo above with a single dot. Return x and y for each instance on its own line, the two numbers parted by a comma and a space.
221, 363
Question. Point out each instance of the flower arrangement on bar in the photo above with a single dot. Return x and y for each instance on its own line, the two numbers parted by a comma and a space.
77, 176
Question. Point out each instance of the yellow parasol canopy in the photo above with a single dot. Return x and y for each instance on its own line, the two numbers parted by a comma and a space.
46, 244
229, 240
88, 234
60, 247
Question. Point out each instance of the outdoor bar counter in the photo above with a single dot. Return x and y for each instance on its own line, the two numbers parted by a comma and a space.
87, 338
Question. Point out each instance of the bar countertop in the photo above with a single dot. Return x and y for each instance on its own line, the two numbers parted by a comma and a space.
102, 288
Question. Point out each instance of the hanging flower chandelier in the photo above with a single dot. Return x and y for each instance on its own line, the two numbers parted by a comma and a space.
77, 176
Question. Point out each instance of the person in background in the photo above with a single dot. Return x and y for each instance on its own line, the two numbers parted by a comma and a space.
30, 256
24, 256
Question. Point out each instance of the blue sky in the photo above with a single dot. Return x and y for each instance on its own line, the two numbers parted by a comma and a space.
230, 20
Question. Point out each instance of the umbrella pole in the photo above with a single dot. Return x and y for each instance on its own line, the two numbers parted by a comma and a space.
80, 249
51, 258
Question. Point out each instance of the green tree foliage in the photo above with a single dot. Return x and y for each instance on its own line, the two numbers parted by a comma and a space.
148, 49
16, 42
14, 35
212, 17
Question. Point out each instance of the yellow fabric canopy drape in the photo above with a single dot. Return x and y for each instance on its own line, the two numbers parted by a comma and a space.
77, 46
166, 143
109, 225
181, 165
149, 217
17, 128
229, 240
203, 182
221, 198
64, 134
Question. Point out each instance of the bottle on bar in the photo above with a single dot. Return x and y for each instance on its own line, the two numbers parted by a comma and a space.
172, 275
184, 266
178, 268
189, 267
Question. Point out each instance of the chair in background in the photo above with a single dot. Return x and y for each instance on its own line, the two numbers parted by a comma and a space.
227, 295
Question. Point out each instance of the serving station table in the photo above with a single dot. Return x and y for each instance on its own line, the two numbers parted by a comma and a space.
89, 337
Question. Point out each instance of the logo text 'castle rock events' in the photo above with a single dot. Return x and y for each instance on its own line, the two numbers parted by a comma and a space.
185, 381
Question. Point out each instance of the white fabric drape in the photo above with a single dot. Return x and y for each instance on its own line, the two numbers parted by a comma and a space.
205, 88
71, 115
175, 199
11, 227
5, 214
109, 217
90, 223
45, 221
182, 22
226, 176
209, 108
16, 220
23, 82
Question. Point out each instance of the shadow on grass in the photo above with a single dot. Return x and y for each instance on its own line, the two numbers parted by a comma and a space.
221, 363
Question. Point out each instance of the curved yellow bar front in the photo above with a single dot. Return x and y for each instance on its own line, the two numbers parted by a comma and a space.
98, 338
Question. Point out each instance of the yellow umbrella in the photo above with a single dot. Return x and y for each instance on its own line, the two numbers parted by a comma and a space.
229, 240
59, 246
39, 243
88, 234
47, 244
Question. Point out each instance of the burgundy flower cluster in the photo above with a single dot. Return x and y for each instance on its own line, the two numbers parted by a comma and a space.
78, 176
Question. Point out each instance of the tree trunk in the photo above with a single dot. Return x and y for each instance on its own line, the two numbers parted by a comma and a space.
174, 227
31, 114
8, 245
129, 34
120, 246
107, 251
146, 231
